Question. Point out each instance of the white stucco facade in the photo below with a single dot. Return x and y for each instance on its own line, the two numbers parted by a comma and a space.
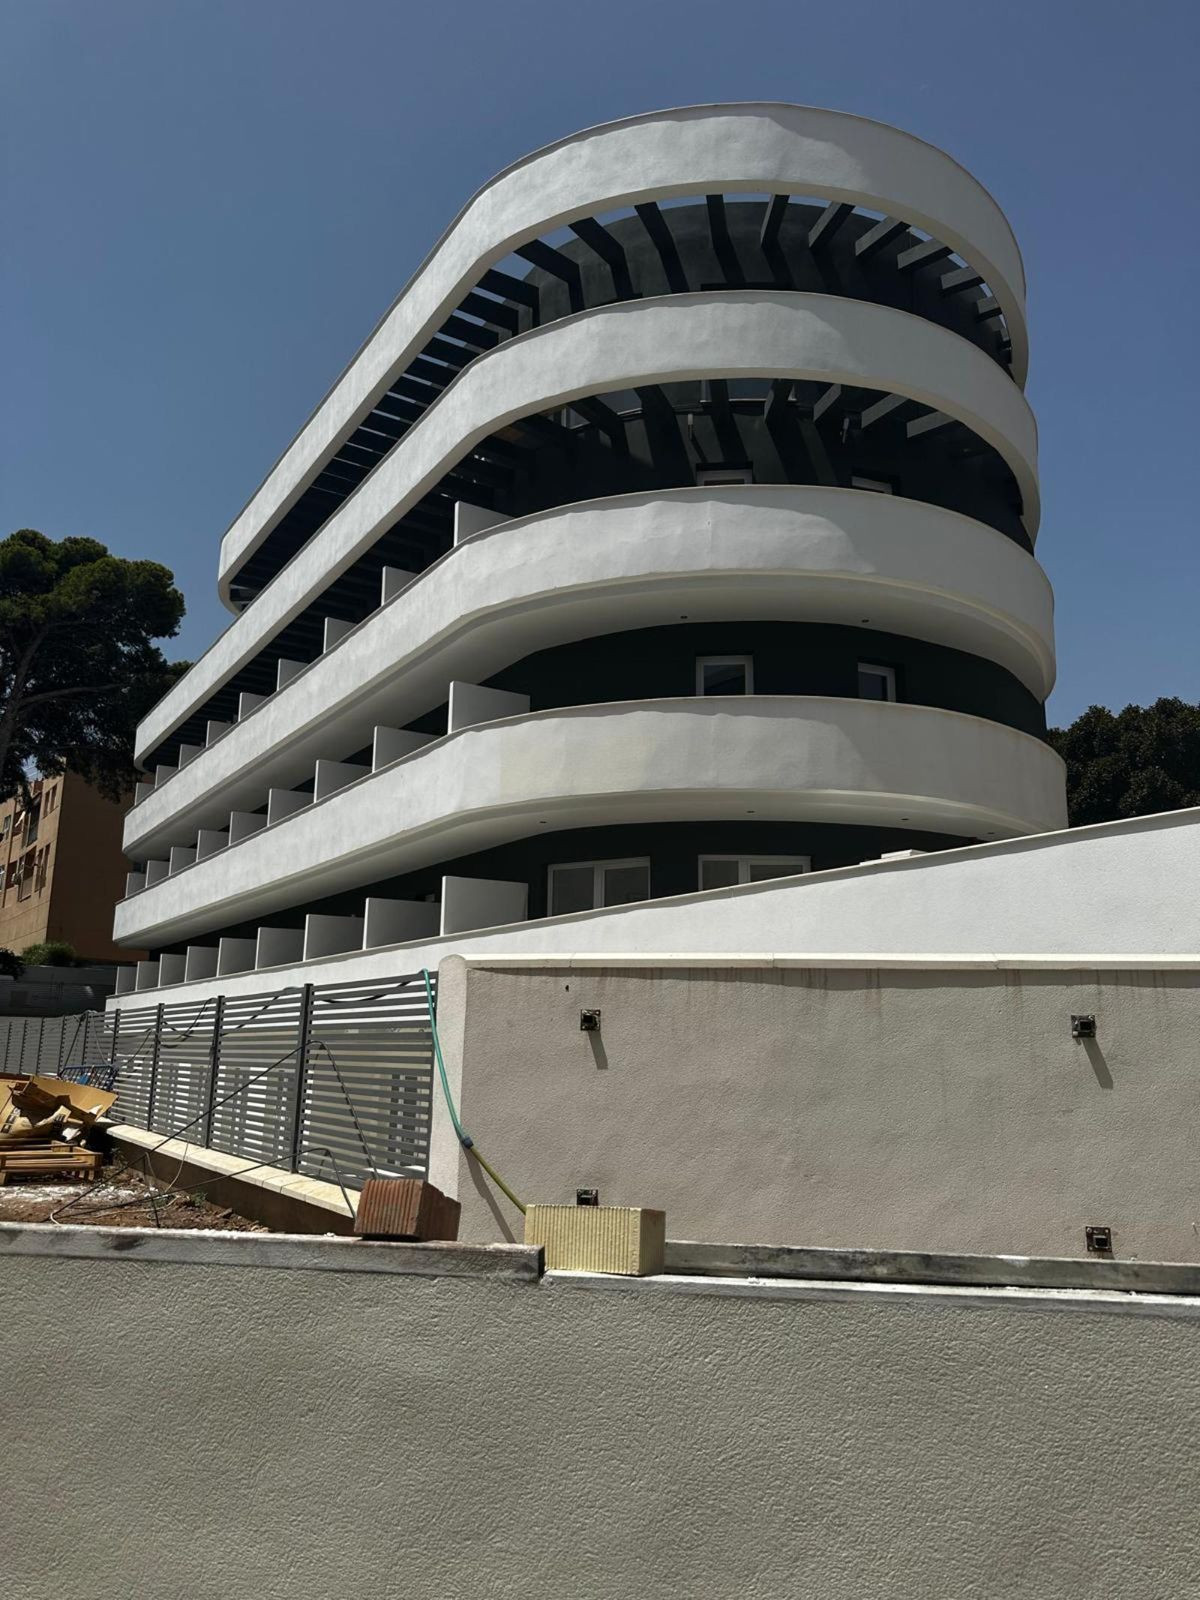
756, 148
284, 779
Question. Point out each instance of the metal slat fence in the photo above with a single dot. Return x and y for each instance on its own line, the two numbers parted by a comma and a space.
51, 1044
333, 1081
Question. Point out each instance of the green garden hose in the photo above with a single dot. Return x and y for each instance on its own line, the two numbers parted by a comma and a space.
464, 1138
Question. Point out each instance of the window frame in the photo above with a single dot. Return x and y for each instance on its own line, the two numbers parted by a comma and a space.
723, 661
25, 876
744, 863
714, 477
599, 867
879, 669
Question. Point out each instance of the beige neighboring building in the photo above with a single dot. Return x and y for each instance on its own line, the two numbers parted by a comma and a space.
61, 868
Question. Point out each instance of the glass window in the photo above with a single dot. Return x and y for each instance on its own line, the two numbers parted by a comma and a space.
876, 485
625, 883
876, 682
723, 872
724, 675
718, 475
590, 885
718, 872
571, 890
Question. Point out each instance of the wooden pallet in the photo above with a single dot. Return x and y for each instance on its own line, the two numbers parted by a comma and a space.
40, 1159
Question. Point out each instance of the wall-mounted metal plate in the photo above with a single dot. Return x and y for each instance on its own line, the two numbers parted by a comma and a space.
1083, 1027
1099, 1241
589, 1021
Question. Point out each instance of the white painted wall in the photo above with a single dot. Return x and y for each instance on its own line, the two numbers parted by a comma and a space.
752, 333
481, 903
794, 758
471, 704
927, 1110
1121, 893
470, 519
799, 553
464, 1435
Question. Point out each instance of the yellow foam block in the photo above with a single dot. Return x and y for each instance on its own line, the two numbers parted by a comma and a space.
625, 1239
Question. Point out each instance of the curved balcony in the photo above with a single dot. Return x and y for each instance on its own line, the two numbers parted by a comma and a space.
756, 148
731, 335
775, 553
778, 759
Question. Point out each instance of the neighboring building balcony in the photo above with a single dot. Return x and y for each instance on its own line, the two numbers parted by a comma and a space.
935, 216
783, 552
784, 337
772, 758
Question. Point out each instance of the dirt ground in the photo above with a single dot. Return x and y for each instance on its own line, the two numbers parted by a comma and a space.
119, 1198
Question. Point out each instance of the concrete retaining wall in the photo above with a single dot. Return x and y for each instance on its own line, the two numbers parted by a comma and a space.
296, 1419
923, 1109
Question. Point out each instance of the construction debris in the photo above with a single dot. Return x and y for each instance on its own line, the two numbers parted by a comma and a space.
405, 1208
630, 1240
43, 1158
42, 1122
43, 1100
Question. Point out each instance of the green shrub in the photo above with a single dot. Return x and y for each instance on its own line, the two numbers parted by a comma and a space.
50, 953
11, 965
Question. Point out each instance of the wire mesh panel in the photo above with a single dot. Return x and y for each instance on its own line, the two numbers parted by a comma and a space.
87, 1053
368, 1081
131, 1042
254, 1098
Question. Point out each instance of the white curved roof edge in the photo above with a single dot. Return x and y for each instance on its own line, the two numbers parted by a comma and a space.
1006, 280
182, 701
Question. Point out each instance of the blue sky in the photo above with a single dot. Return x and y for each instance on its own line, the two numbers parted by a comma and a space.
210, 202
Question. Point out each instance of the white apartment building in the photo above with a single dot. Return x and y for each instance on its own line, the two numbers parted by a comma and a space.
674, 530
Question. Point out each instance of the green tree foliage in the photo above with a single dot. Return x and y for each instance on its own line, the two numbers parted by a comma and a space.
78, 666
11, 965
1142, 759
50, 953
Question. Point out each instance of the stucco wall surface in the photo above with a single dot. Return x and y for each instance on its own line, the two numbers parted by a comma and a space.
795, 551
924, 1110
298, 1435
787, 757
1088, 895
